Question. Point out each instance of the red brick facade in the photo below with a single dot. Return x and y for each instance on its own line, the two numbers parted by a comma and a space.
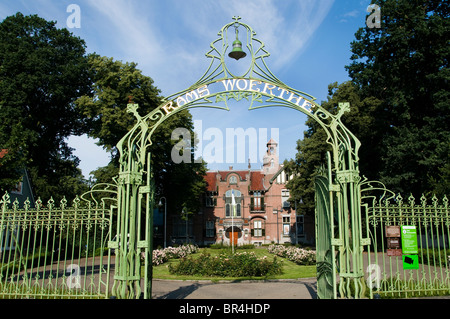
262, 214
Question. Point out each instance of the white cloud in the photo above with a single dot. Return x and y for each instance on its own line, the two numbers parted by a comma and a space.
352, 13
179, 52
285, 27
132, 31
169, 39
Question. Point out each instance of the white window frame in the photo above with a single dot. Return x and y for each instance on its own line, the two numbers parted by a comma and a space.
257, 228
286, 225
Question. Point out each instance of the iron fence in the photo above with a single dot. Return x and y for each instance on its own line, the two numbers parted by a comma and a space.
56, 250
391, 270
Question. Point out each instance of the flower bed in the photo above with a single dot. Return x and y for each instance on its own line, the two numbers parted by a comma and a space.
161, 256
245, 264
298, 255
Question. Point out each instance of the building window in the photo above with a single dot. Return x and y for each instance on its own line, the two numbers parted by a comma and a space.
286, 225
286, 176
285, 198
229, 206
257, 202
210, 201
229, 210
258, 230
233, 180
210, 229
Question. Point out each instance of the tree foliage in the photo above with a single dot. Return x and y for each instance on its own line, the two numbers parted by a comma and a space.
50, 89
105, 111
312, 149
399, 98
42, 71
405, 64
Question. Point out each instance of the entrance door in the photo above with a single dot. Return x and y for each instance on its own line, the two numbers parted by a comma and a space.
234, 237
233, 233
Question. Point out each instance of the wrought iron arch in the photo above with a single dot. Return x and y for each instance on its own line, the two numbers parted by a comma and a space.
260, 88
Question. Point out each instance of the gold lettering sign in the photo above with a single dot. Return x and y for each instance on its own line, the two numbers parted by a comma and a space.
238, 89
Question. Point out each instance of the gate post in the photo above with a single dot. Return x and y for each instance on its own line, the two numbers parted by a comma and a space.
129, 244
351, 273
127, 269
345, 203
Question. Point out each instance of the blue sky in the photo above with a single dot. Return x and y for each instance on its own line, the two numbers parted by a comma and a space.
309, 43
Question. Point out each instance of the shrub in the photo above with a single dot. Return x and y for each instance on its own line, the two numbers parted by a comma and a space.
161, 256
245, 264
298, 255
222, 246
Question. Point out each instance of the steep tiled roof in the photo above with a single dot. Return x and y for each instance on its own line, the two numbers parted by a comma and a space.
224, 174
256, 181
210, 179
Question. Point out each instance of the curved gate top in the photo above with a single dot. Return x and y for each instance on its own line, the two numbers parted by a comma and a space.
251, 81
248, 80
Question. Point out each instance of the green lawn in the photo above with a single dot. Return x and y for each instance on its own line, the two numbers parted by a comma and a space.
290, 269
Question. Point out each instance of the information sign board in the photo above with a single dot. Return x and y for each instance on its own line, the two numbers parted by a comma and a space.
409, 240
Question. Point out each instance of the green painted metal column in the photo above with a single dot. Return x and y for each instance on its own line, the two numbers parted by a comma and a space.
131, 245
127, 272
345, 204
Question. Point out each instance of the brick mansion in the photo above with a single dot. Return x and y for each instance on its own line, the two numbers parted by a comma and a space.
262, 212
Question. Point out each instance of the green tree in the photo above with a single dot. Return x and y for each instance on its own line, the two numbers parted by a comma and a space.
404, 64
115, 83
361, 121
399, 93
43, 70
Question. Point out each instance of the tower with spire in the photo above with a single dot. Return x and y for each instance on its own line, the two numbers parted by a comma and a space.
270, 159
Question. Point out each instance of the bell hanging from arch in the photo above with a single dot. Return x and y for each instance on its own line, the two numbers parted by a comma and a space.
237, 52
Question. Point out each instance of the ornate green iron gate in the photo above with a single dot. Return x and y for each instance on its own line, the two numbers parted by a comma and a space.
258, 87
57, 251
338, 193
394, 269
